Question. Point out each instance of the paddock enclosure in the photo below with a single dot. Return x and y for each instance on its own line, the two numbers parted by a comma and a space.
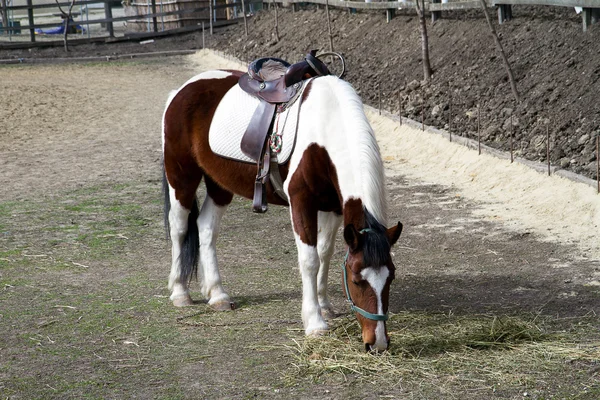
496, 292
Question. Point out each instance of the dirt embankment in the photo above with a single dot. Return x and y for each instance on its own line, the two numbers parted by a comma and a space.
557, 67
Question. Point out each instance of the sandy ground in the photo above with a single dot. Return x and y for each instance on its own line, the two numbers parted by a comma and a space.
80, 159
553, 207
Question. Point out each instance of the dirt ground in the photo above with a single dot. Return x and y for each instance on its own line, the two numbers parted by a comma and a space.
84, 309
556, 65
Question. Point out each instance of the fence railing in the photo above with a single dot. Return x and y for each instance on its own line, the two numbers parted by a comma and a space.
590, 11
12, 24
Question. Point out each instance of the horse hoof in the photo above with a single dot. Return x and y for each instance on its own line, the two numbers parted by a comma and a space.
328, 313
183, 301
317, 333
223, 306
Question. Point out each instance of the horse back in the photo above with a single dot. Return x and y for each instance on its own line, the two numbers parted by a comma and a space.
186, 150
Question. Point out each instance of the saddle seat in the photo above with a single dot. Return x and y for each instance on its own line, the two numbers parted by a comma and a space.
276, 81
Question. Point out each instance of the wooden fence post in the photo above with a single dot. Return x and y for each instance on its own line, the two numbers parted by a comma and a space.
379, 96
108, 15
400, 106
435, 15
210, 16
479, 127
31, 23
511, 139
598, 162
154, 21
548, 147
504, 13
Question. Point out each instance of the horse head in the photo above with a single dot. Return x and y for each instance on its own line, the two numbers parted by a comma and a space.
368, 272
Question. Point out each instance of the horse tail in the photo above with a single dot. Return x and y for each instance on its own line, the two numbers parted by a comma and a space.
190, 249
166, 202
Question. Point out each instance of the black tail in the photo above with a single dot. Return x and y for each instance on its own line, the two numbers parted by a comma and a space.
190, 249
166, 202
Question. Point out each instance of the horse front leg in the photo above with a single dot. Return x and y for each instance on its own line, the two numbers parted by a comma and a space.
329, 223
308, 261
304, 223
209, 222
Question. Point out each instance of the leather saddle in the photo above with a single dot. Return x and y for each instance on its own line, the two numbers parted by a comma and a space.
277, 84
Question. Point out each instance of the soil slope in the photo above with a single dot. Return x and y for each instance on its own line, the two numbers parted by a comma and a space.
557, 67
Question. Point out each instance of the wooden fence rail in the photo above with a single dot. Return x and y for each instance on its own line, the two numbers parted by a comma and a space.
590, 10
109, 19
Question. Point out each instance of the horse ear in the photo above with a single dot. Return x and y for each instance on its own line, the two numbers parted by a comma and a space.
394, 233
353, 237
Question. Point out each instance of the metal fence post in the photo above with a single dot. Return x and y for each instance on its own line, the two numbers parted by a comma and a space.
31, 23
108, 15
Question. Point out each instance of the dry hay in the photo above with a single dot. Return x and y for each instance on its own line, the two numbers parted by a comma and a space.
481, 350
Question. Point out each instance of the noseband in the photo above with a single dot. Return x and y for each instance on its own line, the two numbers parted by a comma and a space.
354, 307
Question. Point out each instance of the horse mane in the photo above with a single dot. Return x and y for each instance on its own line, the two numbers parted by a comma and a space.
376, 248
363, 147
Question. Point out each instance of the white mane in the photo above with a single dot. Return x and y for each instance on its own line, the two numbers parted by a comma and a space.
350, 141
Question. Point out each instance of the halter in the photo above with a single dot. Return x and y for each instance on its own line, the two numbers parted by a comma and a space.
354, 307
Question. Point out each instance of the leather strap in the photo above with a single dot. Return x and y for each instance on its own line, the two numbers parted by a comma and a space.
254, 138
275, 178
259, 202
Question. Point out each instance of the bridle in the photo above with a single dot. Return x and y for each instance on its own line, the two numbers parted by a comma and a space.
354, 307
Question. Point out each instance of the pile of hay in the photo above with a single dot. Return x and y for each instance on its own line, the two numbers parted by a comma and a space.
496, 350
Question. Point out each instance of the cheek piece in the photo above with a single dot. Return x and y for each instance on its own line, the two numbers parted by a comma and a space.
354, 307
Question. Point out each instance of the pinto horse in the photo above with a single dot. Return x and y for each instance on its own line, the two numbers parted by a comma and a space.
334, 176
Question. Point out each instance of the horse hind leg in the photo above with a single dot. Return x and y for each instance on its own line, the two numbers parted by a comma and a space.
181, 209
328, 223
209, 221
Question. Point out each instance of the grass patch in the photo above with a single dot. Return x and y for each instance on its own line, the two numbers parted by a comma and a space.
444, 349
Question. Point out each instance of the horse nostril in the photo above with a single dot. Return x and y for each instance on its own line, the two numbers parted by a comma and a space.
367, 347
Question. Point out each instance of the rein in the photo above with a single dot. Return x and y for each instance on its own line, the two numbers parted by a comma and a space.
354, 307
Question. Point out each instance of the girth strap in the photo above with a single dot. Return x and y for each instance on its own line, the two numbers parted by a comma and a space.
275, 178
268, 169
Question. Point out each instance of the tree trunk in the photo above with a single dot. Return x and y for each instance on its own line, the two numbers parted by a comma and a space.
329, 26
424, 41
276, 22
509, 72
67, 17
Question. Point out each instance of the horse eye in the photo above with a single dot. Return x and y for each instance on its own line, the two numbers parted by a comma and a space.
356, 283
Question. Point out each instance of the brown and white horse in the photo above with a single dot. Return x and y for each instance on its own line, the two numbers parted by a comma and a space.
334, 175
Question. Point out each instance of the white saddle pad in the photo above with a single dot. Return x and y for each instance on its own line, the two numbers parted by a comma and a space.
232, 117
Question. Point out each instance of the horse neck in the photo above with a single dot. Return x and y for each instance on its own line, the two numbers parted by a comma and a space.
344, 131
354, 213
362, 159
